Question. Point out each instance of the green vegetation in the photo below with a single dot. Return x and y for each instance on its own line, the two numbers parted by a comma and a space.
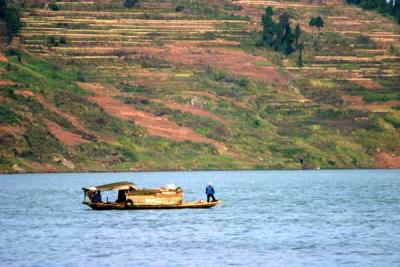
11, 17
7, 116
319, 23
54, 7
54, 42
394, 120
391, 7
286, 104
131, 3
279, 35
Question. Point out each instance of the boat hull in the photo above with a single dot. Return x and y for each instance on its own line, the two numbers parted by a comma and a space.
123, 206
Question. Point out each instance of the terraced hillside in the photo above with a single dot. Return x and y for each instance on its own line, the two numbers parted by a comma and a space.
183, 85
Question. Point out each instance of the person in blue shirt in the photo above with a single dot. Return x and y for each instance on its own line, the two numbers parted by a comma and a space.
210, 192
96, 197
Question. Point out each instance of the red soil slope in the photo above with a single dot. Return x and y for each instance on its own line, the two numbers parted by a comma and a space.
7, 83
155, 126
3, 58
74, 121
236, 62
64, 136
12, 129
386, 160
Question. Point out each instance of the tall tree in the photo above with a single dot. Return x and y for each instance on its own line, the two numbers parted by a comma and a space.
279, 35
319, 23
284, 20
312, 24
288, 40
279, 32
396, 10
300, 57
11, 18
284, 24
297, 34
268, 26
382, 6
13, 22
3, 6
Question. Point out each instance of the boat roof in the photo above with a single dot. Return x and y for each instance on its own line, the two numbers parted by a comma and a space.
112, 186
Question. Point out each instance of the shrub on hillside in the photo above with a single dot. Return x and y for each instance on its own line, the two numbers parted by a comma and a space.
393, 120
8, 116
54, 7
11, 18
81, 76
179, 8
52, 40
14, 52
131, 3
63, 40
129, 154
391, 7
41, 143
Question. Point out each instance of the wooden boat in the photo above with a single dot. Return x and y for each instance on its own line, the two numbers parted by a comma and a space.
132, 197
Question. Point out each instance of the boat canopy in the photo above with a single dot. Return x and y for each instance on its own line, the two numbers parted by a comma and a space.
113, 186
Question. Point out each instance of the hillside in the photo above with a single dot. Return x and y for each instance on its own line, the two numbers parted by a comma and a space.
183, 85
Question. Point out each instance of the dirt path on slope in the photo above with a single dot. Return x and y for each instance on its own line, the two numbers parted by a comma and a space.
12, 129
64, 136
7, 83
155, 126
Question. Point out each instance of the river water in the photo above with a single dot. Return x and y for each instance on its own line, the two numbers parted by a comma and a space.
268, 218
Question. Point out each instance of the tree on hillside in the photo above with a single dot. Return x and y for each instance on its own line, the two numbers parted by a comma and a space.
396, 10
319, 23
131, 3
312, 25
11, 18
3, 5
382, 6
278, 35
297, 34
268, 35
284, 20
300, 57
288, 40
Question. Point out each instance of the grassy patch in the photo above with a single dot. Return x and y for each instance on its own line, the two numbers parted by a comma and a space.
8, 116
42, 146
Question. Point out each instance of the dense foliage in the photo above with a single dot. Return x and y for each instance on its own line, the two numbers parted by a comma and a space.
391, 7
279, 35
11, 17
130, 3
319, 23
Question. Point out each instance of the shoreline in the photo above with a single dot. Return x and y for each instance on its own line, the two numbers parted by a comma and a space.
221, 170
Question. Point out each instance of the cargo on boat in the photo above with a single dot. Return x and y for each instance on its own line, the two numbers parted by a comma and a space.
132, 197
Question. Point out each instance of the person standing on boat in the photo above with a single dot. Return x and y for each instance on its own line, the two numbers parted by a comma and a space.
210, 192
